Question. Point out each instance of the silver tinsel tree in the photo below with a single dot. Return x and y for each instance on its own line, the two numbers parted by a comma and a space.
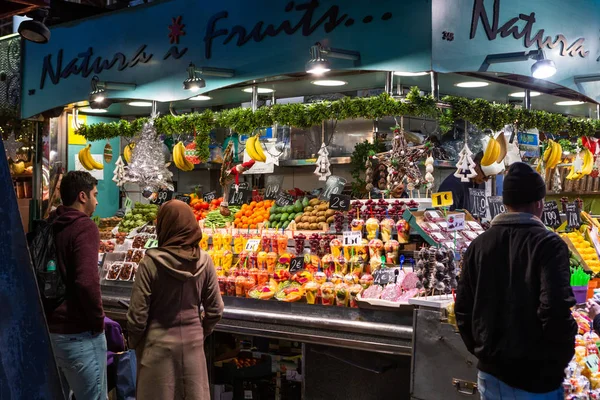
147, 167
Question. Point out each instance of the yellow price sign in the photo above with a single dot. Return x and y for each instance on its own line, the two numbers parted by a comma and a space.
442, 199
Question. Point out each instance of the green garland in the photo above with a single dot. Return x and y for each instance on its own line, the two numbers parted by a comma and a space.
479, 112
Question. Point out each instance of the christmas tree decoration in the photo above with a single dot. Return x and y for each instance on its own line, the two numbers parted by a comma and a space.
119, 172
147, 166
323, 164
465, 165
12, 146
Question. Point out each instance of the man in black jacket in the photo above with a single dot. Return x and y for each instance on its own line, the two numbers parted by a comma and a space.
514, 298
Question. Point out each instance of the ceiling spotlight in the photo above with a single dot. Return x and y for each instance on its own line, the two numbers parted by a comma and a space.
400, 73
34, 29
93, 110
569, 103
140, 103
97, 95
99, 89
200, 97
319, 64
329, 82
472, 84
522, 94
543, 68
195, 82
259, 90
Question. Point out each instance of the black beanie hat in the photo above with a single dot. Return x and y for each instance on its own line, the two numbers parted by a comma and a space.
522, 185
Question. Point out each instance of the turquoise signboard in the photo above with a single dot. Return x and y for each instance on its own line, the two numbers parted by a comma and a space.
466, 32
151, 46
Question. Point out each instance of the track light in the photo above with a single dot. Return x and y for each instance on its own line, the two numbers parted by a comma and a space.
319, 64
195, 82
98, 92
542, 68
34, 29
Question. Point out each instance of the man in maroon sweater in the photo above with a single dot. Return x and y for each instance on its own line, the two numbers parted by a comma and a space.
77, 325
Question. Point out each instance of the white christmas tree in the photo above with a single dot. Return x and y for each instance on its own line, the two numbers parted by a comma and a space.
147, 166
119, 172
323, 163
465, 165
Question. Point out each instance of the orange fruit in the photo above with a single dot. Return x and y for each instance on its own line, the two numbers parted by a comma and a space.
253, 203
260, 204
238, 214
248, 213
252, 226
244, 219
245, 226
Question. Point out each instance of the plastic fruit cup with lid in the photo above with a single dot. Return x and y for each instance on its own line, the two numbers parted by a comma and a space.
218, 257
337, 278
243, 257
327, 293
328, 264
356, 265
238, 243
341, 295
261, 259
372, 226
375, 248
386, 227
222, 284
253, 273
230, 285
249, 283
240, 284
375, 264
341, 265
354, 291
217, 240
262, 277
253, 260
271, 261
391, 251
403, 229
366, 280
204, 241
350, 279
320, 277
357, 224
282, 243
336, 247
226, 241
227, 260
312, 290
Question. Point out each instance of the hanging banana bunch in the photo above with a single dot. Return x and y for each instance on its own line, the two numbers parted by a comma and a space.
86, 159
582, 165
179, 158
128, 151
255, 150
492, 162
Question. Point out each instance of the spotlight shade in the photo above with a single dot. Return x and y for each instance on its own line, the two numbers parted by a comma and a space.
543, 69
34, 31
318, 66
194, 84
97, 96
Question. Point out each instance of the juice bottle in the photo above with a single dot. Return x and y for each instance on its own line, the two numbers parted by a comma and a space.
282, 242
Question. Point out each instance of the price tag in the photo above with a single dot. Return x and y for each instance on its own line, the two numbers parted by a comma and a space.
284, 199
161, 197
242, 196
478, 202
496, 206
127, 204
210, 196
273, 186
151, 244
248, 395
296, 264
383, 276
252, 244
352, 238
339, 202
456, 222
591, 362
442, 199
333, 185
185, 199
551, 215
573, 215
96, 220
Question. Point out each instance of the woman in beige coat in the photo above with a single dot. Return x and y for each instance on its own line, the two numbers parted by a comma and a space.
165, 323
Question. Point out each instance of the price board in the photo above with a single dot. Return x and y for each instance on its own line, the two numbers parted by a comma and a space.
296, 264
551, 215
242, 196
252, 244
573, 215
442, 199
210, 196
496, 206
184, 198
352, 238
383, 276
478, 202
333, 185
161, 197
339, 202
284, 199
273, 186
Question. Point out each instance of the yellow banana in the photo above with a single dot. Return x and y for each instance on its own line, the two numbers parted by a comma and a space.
84, 160
491, 153
90, 160
502, 146
259, 150
251, 149
559, 154
179, 158
127, 152
588, 162
548, 151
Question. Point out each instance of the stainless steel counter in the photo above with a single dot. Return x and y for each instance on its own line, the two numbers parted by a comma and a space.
378, 331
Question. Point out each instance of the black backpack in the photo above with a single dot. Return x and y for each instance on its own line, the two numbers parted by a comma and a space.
51, 283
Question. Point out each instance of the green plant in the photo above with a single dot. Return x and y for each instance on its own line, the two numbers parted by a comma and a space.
359, 157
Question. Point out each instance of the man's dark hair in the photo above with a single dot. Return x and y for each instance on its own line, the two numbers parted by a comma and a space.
75, 182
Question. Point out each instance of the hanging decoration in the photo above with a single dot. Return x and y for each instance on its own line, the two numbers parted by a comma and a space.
323, 164
108, 153
147, 167
12, 146
429, 179
179, 158
127, 151
369, 173
230, 173
119, 172
465, 165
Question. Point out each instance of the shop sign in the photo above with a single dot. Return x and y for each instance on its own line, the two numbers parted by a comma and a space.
529, 144
442, 199
184, 198
242, 195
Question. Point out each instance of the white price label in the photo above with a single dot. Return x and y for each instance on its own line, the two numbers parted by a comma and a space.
352, 238
456, 222
252, 244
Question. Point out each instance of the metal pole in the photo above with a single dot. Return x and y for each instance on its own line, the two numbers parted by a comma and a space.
154, 107
254, 101
597, 111
527, 99
435, 88
389, 82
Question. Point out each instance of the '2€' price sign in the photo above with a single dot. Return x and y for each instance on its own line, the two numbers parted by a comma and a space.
339, 202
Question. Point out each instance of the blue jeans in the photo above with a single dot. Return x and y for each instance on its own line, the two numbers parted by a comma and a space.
81, 360
492, 388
